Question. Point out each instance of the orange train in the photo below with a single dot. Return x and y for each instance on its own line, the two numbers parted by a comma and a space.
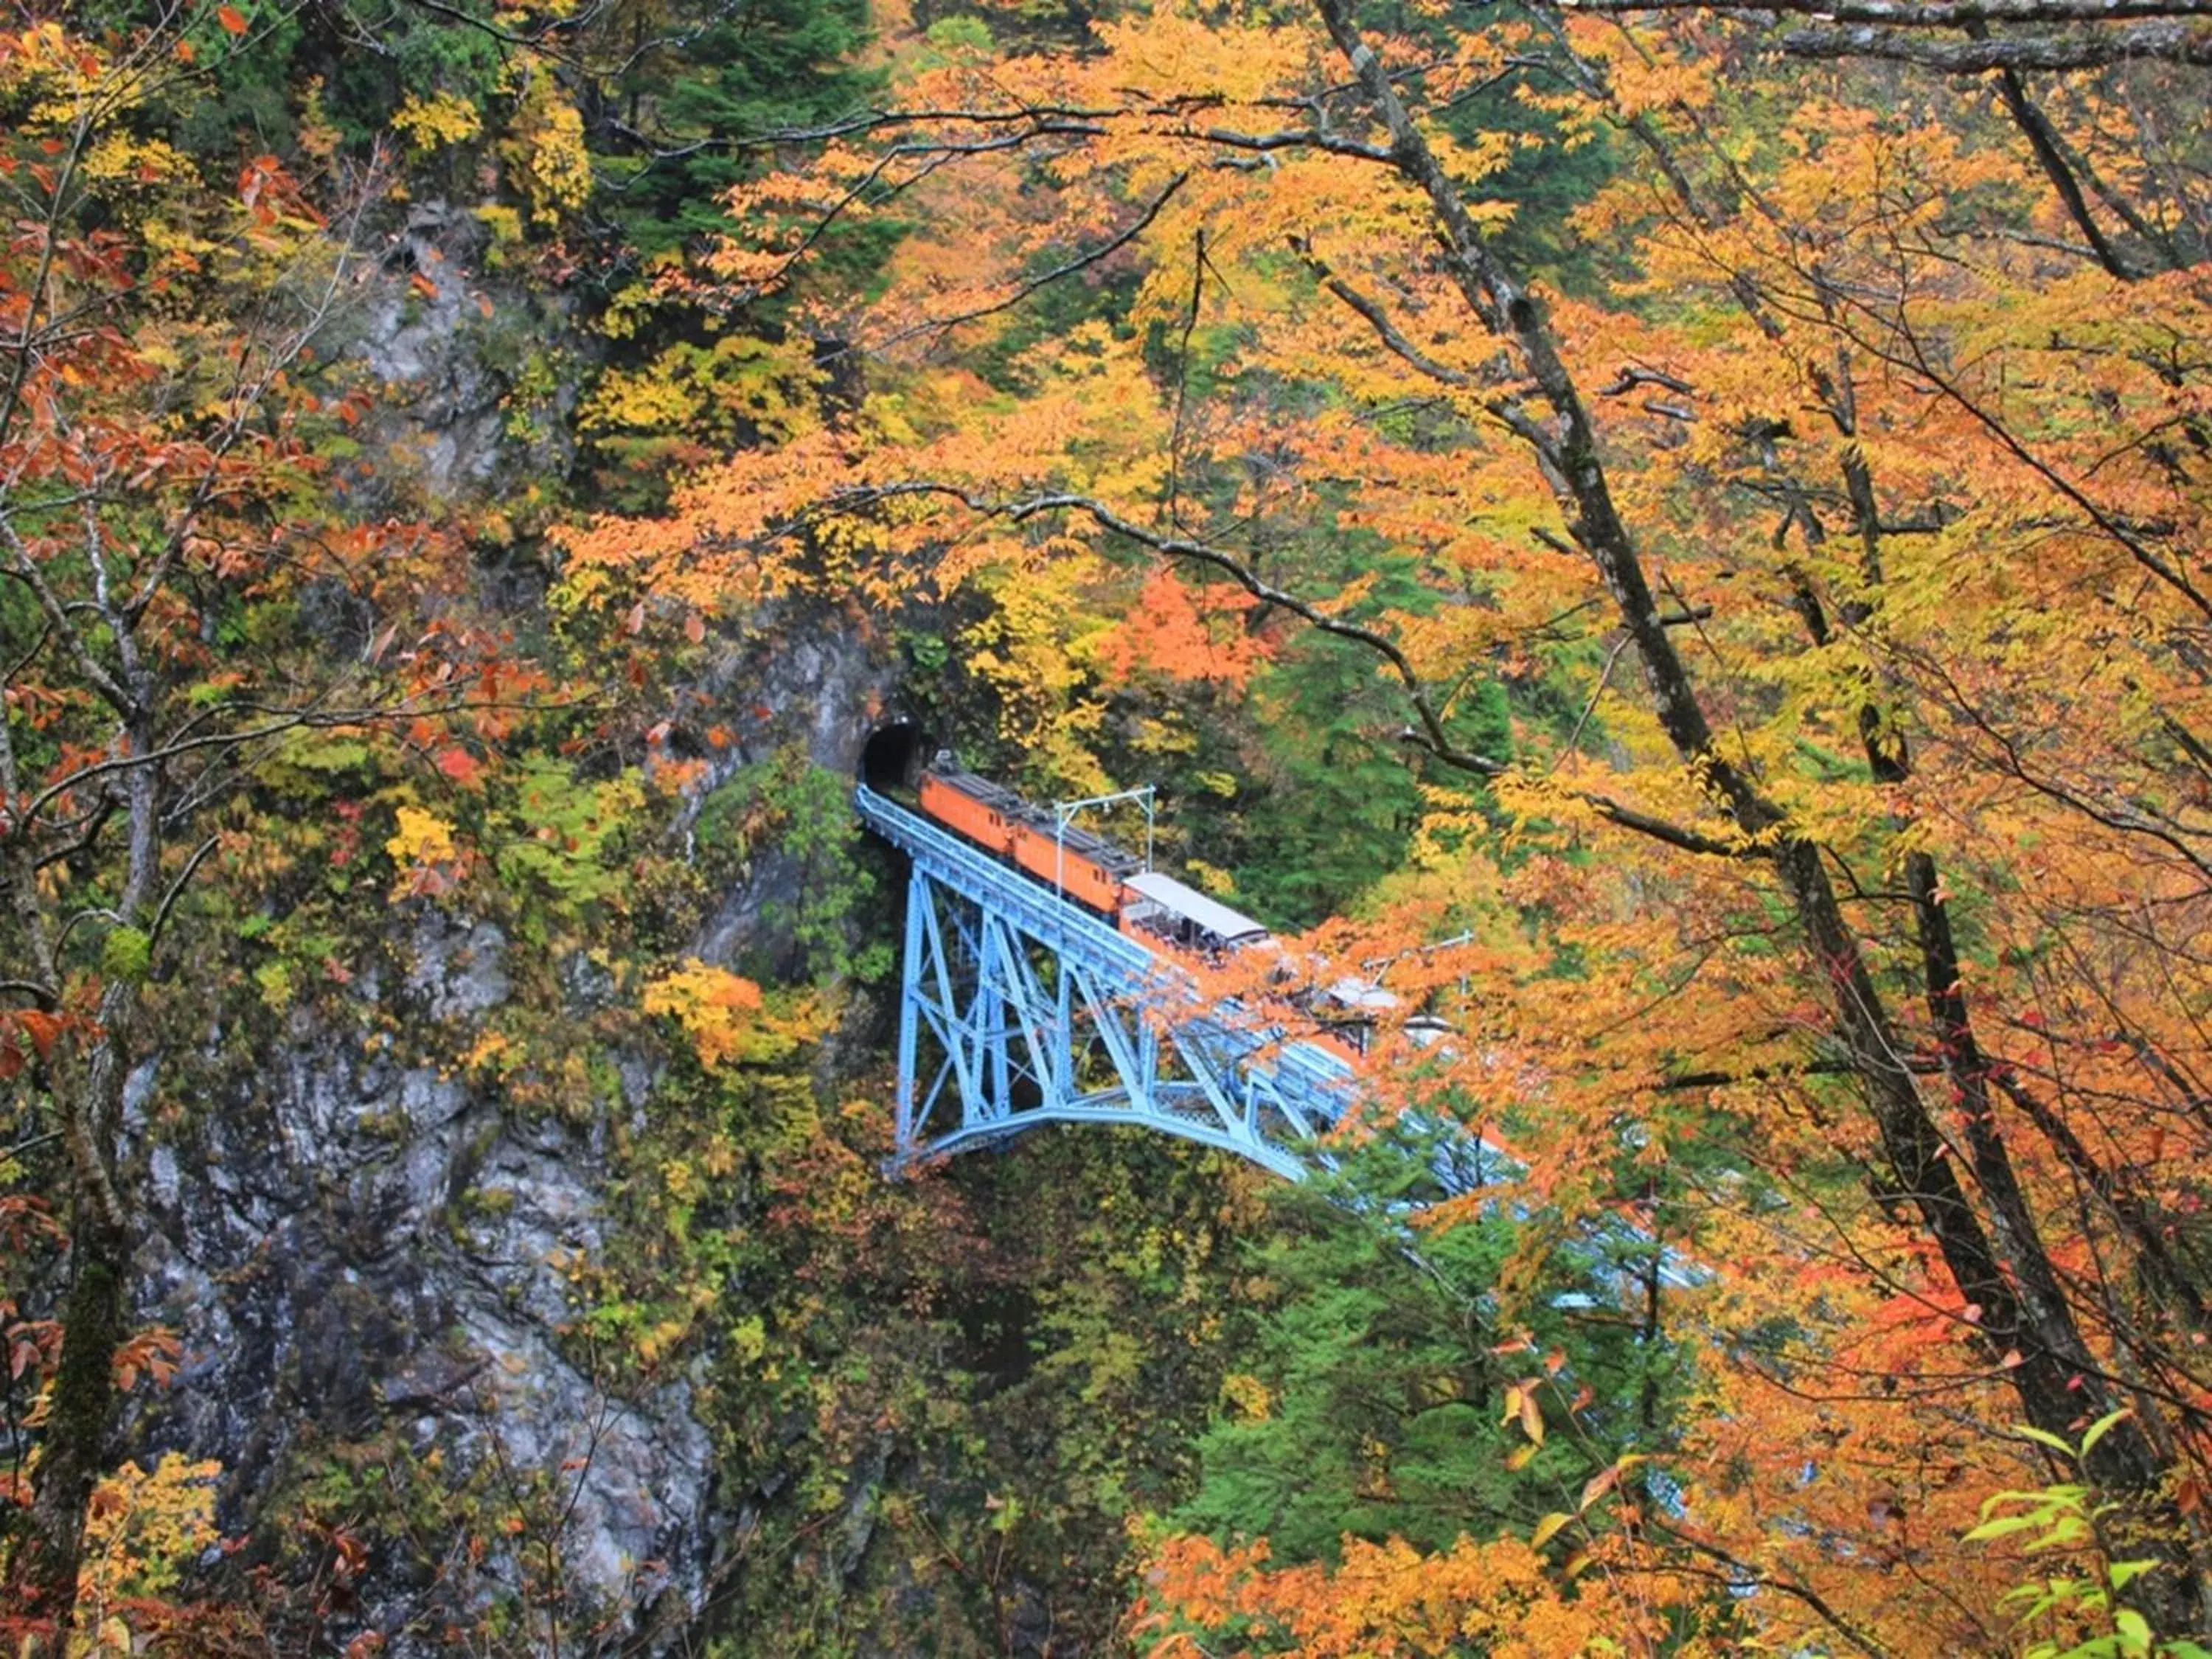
1112, 883
1107, 880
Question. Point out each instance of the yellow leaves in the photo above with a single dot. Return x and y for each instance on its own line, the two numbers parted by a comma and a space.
1520, 1407
60, 71
747, 1338
633, 305
728, 1018
442, 119
504, 223
430, 861
1247, 1397
739, 389
719, 1157
681, 1181
1030, 647
422, 838
144, 1527
545, 156
120, 158
1661, 80
492, 1055
1169, 51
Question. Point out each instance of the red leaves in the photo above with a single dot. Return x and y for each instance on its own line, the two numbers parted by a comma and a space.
462, 766
43, 1028
231, 19
156, 1352
28, 1033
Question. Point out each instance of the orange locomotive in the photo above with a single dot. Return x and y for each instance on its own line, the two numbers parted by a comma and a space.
1084, 867
1107, 880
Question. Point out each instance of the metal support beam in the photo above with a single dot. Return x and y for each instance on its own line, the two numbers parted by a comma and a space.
1034, 1011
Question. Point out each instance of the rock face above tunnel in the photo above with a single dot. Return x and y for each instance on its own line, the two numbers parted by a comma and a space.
479, 379
810, 677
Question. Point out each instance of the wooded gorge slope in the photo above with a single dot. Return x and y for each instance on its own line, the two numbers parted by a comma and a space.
1673, 534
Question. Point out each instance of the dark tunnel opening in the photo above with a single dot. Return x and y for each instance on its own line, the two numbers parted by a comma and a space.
893, 757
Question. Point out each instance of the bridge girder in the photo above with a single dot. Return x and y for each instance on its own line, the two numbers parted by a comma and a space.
1018, 1008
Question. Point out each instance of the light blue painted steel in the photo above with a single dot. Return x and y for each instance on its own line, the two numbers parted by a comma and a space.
1017, 1007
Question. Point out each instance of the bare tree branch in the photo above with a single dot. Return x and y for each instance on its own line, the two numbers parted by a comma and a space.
2165, 42
1919, 14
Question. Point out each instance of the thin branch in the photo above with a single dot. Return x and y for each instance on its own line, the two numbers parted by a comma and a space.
1378, 320
177, 888
1082, 261
1919, 14
2170, 43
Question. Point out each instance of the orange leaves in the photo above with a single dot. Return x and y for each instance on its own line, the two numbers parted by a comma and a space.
155, 1353
1167, 633
42, 1029
29, 1034
232, 20
456, 762
728, 1018
1497, 1598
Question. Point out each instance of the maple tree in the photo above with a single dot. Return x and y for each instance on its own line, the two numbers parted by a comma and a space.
1835, 525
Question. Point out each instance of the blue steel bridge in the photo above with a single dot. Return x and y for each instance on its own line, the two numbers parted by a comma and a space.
1017, 1007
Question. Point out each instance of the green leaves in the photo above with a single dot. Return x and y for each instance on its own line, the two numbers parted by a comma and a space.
1387, 1415
2070, 1515
126, 954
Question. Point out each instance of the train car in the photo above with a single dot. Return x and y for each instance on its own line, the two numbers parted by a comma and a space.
1164, 908
1084, 867
987, 813
1109, 880
1087, 868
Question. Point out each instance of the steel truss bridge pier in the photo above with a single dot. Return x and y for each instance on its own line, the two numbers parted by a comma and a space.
1017, 1007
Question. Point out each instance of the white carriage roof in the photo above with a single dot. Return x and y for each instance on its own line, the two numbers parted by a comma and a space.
1361, 994
1193, 906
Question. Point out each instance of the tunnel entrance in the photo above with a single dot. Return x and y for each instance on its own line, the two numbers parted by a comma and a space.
892, 758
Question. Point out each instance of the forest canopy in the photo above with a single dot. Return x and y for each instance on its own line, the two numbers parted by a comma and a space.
1672, 535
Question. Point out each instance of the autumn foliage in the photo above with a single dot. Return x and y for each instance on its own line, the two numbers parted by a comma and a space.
1828, 493
1680, 530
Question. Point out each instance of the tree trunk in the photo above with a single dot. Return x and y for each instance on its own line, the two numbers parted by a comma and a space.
72, 1448
73, 1445
2024, 1323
